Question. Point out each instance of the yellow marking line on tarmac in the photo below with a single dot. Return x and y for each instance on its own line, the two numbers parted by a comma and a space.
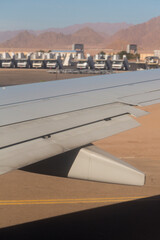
68, 201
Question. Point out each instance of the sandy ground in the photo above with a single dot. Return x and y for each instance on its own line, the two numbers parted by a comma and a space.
24, 76
89, 210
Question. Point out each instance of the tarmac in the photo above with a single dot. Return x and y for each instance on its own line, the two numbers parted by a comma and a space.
14, 76
34, 204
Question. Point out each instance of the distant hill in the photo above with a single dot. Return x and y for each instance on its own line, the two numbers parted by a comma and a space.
22, 39
6, 35
89, 37
54, 40
104, 28
145, 35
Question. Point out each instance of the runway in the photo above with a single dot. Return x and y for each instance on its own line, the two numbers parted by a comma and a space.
68, 201
34, 204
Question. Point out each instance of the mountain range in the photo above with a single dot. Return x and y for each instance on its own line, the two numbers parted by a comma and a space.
102, 28
52, 40
107, 35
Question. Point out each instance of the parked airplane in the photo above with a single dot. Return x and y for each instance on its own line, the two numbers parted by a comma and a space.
41, 120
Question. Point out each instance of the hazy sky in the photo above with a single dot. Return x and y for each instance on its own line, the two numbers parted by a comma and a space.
42, 14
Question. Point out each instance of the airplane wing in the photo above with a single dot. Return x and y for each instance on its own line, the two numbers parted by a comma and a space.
41, 120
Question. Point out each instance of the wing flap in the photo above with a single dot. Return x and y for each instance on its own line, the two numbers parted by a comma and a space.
29, 152
20, 132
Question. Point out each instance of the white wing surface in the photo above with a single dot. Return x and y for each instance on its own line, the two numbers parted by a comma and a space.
41, 120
